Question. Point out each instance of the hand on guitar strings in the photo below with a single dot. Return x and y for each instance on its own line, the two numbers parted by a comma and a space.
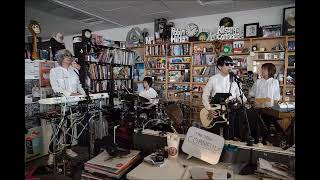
213, 114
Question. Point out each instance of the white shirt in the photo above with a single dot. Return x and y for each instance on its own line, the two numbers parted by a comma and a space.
220, 84
266, 89
65, 81
149, 94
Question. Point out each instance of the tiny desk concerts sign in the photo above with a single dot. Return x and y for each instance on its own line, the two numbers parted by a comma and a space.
203, 145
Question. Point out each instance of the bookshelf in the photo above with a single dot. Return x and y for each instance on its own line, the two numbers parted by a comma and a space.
109, 70
198, 58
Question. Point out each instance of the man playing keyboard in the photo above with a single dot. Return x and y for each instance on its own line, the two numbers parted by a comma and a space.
64, 79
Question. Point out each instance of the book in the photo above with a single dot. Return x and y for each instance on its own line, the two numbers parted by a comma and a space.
45, 68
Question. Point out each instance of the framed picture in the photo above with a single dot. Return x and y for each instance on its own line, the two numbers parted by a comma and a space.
288, 21
271, 31
251, 30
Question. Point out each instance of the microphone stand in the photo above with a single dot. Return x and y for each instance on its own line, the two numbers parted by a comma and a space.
250, 167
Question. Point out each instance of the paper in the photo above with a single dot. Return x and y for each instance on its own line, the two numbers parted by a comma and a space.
220, 174
198, 173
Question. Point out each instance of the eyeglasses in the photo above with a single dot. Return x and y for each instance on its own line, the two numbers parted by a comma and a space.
228, 64
67, 55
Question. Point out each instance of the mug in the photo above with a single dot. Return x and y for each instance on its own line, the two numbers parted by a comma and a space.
173, 145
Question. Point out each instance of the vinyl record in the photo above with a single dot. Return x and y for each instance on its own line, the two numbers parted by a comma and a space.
226, 22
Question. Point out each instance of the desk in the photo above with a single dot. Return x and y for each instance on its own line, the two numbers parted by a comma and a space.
173, 169
282, 114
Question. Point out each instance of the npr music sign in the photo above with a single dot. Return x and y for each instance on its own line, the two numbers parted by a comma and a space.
203, 145
225, 33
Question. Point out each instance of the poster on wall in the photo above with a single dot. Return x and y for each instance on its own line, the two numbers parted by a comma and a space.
289, 21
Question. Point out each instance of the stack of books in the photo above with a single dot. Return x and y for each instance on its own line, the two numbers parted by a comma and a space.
104, 166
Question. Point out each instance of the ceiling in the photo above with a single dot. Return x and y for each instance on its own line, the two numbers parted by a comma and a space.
71, 16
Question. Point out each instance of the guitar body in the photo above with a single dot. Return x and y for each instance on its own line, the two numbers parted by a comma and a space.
208, 122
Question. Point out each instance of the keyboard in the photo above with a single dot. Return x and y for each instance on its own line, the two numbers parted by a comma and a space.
72, 99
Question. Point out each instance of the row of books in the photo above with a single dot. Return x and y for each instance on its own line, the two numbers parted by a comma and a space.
104, 166
121, 72
179, 66
200, 79
120, 84
179, 76
179, 50
157, 50
180, 60
98, 86
117, 56
203, 59
207, 70
98, 71
156, 63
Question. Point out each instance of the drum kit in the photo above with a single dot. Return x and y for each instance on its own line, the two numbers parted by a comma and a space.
156, 114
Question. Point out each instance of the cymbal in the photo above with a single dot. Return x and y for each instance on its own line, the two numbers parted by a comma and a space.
133, 97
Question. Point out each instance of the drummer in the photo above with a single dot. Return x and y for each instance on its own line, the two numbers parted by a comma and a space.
149, 93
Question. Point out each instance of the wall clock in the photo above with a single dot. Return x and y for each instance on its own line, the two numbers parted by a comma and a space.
192, 30
226, 22
86, 34
203, 36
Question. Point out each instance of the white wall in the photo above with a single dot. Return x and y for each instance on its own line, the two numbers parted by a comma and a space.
266, 16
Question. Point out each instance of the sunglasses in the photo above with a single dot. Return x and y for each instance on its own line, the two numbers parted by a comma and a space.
228, 64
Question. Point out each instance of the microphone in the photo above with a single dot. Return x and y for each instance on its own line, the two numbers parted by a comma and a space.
235, 77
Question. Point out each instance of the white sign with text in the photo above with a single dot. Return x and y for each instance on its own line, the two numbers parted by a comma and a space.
203, 145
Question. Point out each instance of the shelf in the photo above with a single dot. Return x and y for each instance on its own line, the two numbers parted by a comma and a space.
156, 56
203, 53
139, 62
101, 79
196, 75
268, 60
155, 44
138, 81
155, 68
179, 56
201, 65
238, 54
291, 67
97, 62
291, 51
199, 83
268, 38
180, 63
179, 82
178, 69
272, 51
179, 43
121, 79
137, 47
121, 64
196, 91
159, 82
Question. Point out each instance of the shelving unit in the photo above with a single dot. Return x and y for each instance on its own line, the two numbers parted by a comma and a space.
253, 63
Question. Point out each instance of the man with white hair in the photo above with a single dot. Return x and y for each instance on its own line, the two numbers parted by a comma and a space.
64, 79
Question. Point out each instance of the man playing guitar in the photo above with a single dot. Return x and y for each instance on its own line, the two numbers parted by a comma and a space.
223, 83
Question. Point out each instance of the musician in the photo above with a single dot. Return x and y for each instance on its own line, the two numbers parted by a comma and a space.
266, 88
64, 79
222, 83
148, 92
